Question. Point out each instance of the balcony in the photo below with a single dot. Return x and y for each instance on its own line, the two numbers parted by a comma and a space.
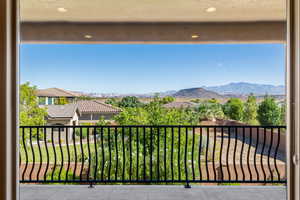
213, 160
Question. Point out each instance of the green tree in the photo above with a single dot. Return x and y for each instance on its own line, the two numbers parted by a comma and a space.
129, 102
269, 112
112, 101
210, 110
233, 109
283, 114
167, 99
250, 110
30, 112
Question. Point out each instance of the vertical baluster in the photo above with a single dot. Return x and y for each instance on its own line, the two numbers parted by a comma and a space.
185, 157
82, 154
178, 156
234, 153
242, 152
206, 155
54, 151
109, 150
26, 154
227, 154
199, 153
117, 154
256, 147
124, 157
89, 152
40, 153
61, 152
221, 150
103, 154
144, 152
158, 152
47, 153
262, 153
172, 153
130, 153
269, 154
68, 152
276, 152
248, 155
151, 149
137, 153
214, 150
75, 152
33, 154
165, 153
96, 153
193, 147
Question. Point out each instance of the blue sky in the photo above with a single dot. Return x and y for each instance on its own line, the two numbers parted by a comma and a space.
143, 68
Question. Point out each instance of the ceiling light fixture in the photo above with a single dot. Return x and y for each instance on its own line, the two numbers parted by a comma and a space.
62, 10
195, 36
211, 9
88, 36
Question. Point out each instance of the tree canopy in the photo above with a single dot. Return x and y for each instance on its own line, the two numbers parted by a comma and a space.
30, 113
269, 112
234, 108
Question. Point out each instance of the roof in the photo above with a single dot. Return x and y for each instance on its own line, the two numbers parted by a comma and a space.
179, 105
61, 111
56, 92
95, 106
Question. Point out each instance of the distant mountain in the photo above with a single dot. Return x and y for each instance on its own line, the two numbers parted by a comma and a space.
196, 93
243, 88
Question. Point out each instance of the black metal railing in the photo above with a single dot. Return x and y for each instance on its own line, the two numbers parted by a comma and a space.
152, 154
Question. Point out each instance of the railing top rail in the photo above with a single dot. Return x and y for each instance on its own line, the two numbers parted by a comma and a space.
154, 126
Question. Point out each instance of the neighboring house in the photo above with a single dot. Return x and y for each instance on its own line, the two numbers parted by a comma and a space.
49, 96
61, 115
91, 110
86, 111
178, 105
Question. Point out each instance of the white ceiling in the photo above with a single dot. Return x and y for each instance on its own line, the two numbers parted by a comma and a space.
152, 10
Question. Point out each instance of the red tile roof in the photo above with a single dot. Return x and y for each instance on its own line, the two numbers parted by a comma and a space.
95, 106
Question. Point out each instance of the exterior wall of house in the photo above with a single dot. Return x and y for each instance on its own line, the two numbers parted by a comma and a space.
94, 118
51, 100
63, 133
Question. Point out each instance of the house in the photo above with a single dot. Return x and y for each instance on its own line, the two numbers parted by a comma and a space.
85, 111
50, 96
91, 110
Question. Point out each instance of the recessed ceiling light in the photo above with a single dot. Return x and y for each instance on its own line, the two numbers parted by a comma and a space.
88, 36
62, 10
195, 36
211, 9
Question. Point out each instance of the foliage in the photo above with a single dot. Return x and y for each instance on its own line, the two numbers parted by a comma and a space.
83, 132
269, 112
234, 109
210, 110
85, 98
112, 101
250, 111
167, 99
60, 101
30, 113
129, 102
283, 114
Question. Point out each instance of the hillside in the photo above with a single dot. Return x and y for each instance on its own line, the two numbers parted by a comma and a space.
243, 88
196, 93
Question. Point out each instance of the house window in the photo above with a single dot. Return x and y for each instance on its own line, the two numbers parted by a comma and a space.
42, 100
50, 100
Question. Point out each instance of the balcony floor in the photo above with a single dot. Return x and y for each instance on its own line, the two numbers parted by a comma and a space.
150, 192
